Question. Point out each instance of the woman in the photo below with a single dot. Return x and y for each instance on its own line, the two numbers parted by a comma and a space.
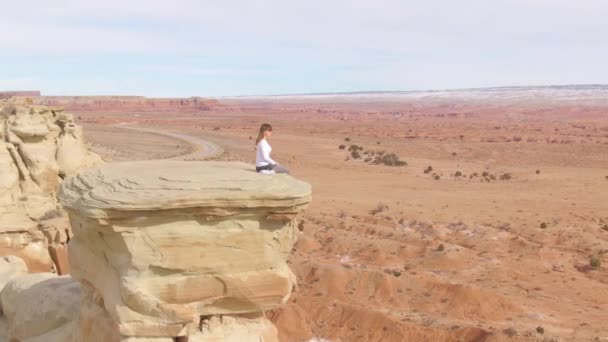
263, 149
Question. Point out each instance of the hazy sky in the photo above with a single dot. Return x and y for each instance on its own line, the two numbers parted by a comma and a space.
224, 47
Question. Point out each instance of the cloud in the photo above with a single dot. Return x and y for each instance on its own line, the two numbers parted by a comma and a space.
298, 46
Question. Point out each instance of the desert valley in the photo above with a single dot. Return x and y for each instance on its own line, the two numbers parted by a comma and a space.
465, 215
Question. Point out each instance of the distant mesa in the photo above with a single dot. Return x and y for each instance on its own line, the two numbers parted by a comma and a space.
7, 94
127, 103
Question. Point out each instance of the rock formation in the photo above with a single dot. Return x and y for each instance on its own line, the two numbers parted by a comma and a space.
38, 147
166, 249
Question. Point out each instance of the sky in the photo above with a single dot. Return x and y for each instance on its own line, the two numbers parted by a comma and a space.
183, 48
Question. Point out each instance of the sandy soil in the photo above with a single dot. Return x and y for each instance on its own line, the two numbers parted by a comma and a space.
495, 243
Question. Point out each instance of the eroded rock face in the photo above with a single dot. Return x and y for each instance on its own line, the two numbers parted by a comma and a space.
38, 147
163, 248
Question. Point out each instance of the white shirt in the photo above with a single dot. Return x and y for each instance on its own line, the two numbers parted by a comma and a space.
262, 154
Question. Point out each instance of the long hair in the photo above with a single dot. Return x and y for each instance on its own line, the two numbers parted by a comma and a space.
265, 127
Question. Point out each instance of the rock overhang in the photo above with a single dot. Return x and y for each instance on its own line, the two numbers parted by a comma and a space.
128, 188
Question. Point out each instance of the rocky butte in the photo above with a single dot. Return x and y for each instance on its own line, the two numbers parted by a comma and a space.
39, 146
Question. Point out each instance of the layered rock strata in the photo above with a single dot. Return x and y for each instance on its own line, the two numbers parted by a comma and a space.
167, 248
38, 147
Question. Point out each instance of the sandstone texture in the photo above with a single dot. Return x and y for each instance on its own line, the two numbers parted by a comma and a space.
39, 146
169, 248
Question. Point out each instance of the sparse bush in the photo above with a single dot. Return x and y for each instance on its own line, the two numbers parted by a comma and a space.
377, 143
355, 154
355, 148
458, 174
543, 225
379, 208
485, 174
595, 262
511, 332
436, 177
454, 154
540, 330
440, 248
250, 137
605, 227
216, 128
505, 176
390, 159
346, 139
493, 177
342, 147
538, 172
368, 159
428, 169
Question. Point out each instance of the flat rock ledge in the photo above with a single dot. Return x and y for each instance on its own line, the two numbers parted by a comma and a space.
167, 249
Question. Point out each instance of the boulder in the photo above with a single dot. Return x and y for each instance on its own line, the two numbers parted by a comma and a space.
38, 306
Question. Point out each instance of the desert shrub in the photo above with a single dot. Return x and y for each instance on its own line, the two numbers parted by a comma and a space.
379, 208
485, 174
342, 147
543, 225
377, 143
537, 172
458, 174
390, 159
492, 177
595, 262
440, 248
511, 332
454, 154
355, 154
250, 137
605, 227
428, 169
368, 159
436, 177
540, 330
216, 128
517, 139
355, 148
505, 176
346, 139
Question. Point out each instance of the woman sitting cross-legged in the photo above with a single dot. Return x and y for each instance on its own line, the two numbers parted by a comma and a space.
263, 162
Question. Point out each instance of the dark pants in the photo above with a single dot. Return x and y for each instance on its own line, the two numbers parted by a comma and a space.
277, 168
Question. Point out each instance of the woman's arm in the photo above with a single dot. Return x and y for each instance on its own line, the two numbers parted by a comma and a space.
266, 153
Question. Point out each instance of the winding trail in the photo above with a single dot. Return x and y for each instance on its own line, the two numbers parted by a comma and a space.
203, 149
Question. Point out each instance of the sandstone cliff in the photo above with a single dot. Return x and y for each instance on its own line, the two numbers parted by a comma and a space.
38, 147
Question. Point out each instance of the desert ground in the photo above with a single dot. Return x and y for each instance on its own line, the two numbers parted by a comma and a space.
495, 230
